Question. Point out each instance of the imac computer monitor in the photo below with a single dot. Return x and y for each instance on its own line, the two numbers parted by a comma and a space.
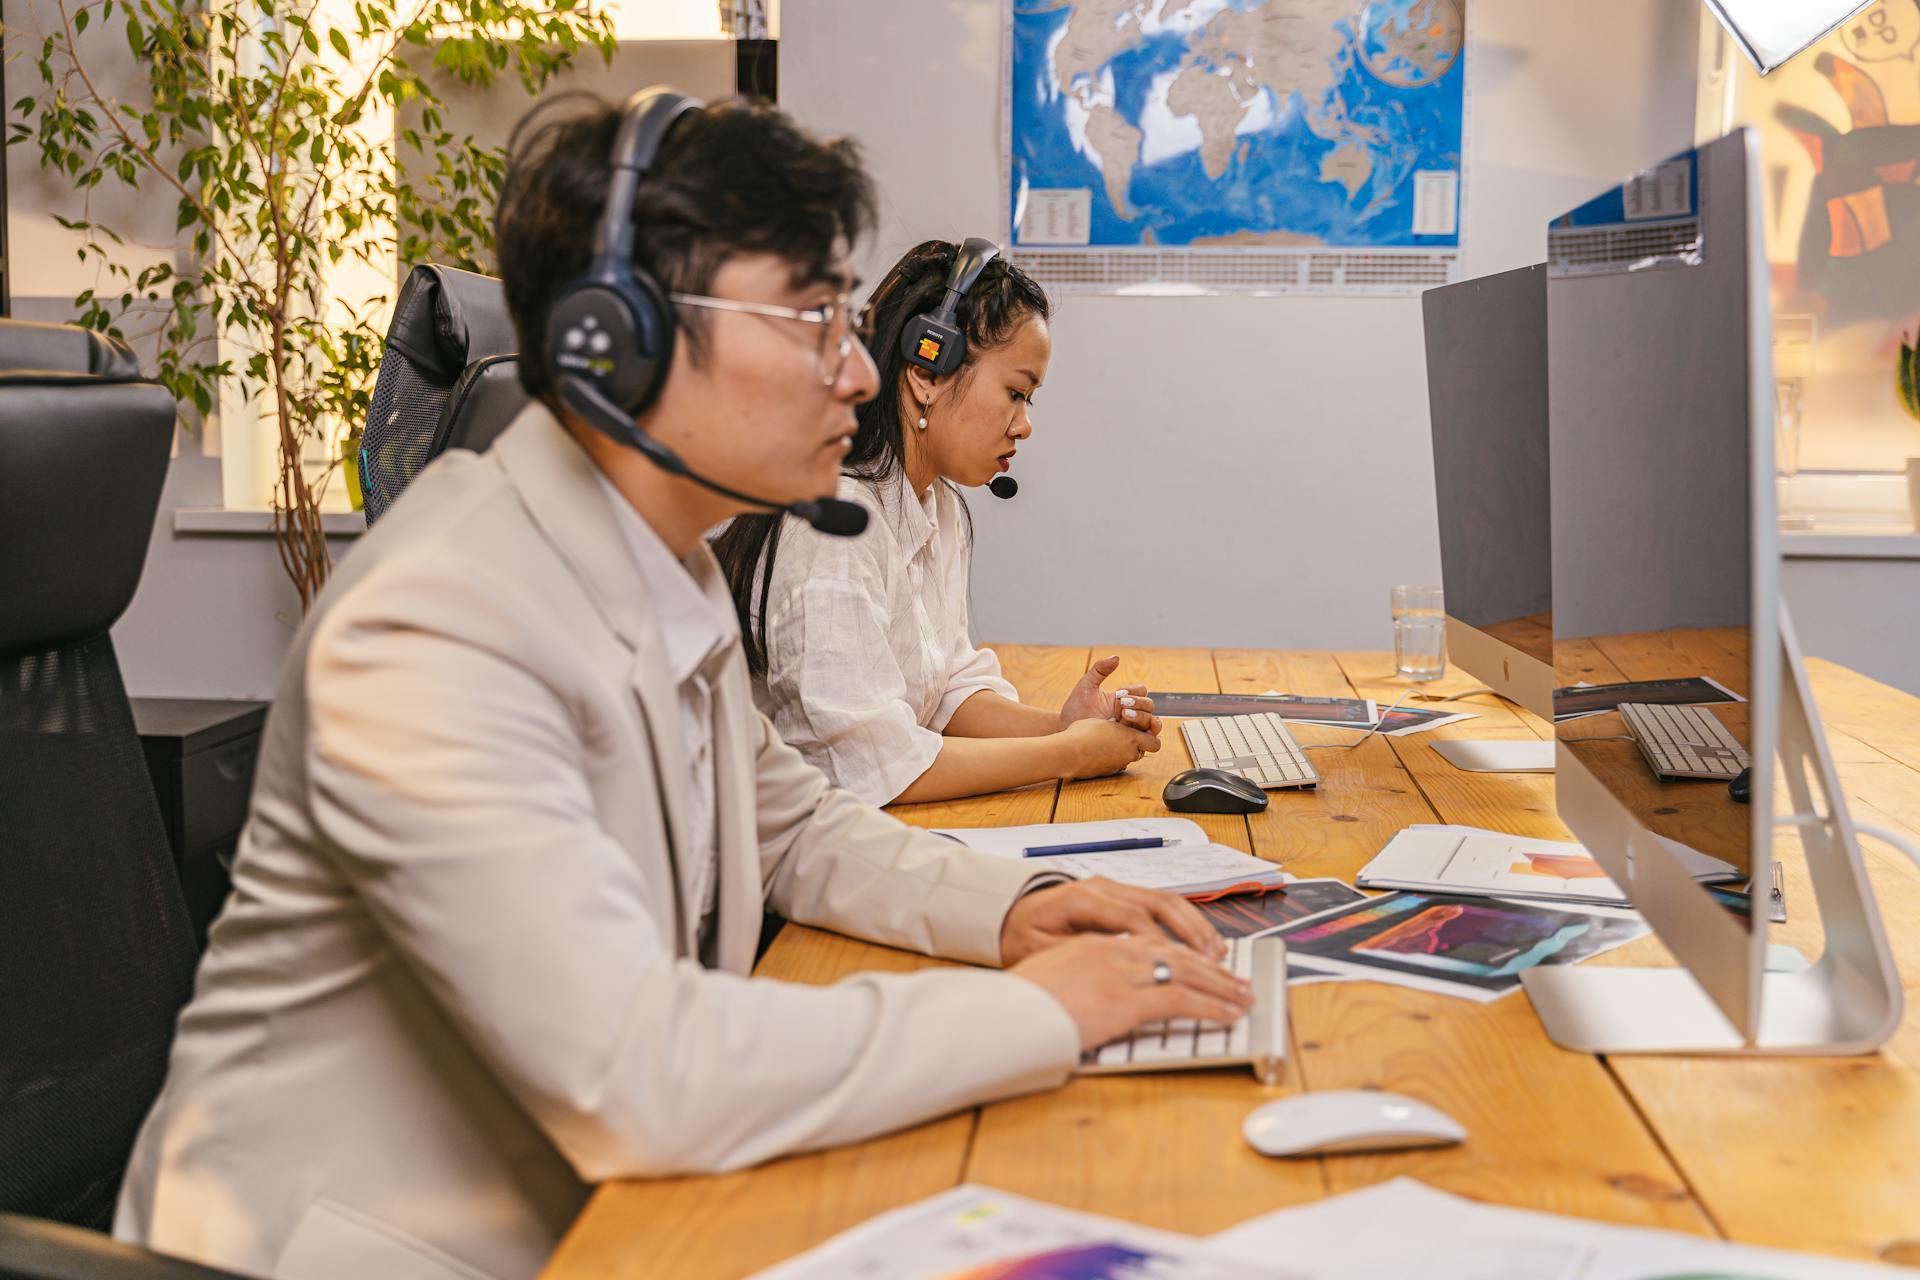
1487, 395
1664, 558
1666, 568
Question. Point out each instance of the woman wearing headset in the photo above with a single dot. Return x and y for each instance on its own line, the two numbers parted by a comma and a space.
859, 647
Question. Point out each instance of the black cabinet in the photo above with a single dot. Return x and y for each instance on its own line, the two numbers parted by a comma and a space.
201, 756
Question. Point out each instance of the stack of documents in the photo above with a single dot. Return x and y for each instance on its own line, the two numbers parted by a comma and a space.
1391, 1231
1173, 854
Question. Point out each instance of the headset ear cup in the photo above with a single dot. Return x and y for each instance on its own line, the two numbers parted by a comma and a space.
933, 344
655, 327
615, 333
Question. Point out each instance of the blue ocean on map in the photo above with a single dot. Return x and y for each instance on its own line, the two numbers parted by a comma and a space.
1406, 119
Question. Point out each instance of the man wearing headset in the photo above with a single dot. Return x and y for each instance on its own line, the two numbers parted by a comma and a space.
516, 817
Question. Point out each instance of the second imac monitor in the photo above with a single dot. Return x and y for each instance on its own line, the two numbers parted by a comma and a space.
1487, 391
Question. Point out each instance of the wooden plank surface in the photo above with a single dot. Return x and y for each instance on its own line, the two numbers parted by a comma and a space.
1365, 793
1801, 1153
1547, 1129
1820, 1154
1136, 793
1082, 1145
1518, 803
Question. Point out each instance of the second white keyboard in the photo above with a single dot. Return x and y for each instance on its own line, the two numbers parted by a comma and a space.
1256, 746
1684, 742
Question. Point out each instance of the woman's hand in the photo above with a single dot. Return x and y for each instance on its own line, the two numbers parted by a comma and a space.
1128, 705
1096, 748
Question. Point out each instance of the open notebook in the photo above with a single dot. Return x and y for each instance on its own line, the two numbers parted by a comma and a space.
1187, 863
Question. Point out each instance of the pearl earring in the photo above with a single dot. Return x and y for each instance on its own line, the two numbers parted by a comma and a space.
922, 424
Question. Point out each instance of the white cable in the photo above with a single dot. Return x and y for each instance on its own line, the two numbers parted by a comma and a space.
1898, 842
1865, 829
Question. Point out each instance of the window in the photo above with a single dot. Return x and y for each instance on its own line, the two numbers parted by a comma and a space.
1840, 139
677, 41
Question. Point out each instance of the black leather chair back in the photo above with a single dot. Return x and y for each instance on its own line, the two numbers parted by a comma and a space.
96, 951
65, 348
444, 321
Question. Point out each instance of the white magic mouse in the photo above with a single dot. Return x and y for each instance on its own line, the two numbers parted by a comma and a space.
1312, 1124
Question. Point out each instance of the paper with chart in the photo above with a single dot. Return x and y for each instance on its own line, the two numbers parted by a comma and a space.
977, 1233
1436, 1236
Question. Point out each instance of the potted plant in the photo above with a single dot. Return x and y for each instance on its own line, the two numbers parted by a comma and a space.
1907, 377
275, 128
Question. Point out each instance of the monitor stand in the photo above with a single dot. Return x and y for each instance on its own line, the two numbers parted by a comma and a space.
1848, 1002
1481, 755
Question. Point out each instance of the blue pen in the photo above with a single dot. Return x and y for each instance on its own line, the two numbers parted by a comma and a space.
1096, 846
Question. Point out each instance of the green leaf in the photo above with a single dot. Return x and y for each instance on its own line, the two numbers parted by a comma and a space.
339, 43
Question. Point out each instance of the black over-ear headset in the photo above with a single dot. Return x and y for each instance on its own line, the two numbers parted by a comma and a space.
610, 333
934, 340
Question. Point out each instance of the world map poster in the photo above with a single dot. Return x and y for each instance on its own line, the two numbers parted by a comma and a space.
1277, 124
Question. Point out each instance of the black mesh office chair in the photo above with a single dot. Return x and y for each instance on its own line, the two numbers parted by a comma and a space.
96, 952
34, 1250
446, 379
484, 403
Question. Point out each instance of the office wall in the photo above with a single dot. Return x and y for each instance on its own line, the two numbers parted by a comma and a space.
1232, 471
1862, 612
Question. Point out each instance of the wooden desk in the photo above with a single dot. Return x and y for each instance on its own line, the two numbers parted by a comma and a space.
1814, 1154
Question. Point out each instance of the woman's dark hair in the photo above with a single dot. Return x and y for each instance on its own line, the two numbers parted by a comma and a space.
737, 177
1001, 299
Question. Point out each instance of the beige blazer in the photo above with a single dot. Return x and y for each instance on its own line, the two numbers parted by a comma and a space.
457, 983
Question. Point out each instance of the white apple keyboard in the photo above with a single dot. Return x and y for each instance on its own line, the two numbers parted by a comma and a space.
1259, 1039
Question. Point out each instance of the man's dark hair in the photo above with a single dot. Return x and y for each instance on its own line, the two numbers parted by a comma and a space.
738, 177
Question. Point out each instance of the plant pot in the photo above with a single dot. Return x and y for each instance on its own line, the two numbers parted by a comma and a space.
350, 468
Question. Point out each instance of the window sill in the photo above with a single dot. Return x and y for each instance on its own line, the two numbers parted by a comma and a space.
221, 522
1841, 502
1893, 542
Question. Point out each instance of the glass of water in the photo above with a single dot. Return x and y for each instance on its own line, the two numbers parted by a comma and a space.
1419, 633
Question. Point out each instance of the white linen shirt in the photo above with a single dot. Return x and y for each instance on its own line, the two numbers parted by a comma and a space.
695, 615
868, 651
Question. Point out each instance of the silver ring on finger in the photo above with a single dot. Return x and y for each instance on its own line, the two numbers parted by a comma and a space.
1162, 973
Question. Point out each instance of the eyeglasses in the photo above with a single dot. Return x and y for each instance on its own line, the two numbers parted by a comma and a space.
840, 325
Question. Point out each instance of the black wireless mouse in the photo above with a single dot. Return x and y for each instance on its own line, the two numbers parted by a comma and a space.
1213, 791
1741, 788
